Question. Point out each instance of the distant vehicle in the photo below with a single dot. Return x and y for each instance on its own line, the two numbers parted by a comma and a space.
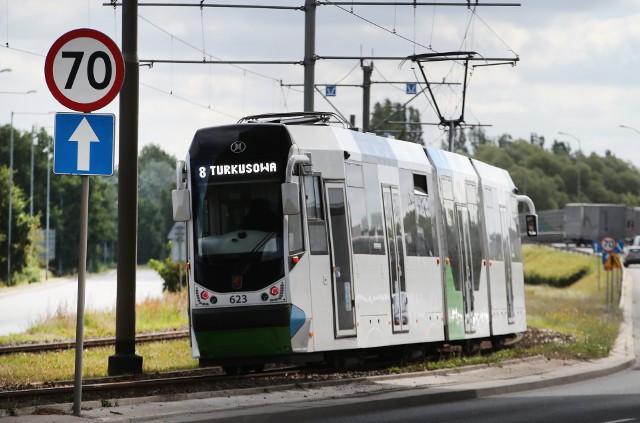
632, 256
585, 223
581, 224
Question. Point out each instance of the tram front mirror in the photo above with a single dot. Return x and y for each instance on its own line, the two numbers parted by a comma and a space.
290, 198
181, 210
532, 225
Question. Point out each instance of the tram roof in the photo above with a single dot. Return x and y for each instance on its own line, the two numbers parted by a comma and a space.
364, 147
493, 175
450, 162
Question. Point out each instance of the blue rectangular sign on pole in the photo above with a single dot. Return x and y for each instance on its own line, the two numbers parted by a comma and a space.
330, 91
84, 144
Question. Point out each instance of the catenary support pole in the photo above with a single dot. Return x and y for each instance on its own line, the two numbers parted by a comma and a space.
309, 53
452, 134
367, 70
125, 360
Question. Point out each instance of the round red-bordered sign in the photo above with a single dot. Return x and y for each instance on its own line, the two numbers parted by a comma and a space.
608, 243
84, 70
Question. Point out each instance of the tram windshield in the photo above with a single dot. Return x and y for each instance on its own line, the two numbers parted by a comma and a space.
238, 229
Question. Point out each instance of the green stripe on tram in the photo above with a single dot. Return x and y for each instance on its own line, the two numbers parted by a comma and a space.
455, 309
244, 342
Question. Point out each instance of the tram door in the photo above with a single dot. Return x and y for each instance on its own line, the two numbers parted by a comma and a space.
343, 295
391, 204
466, 268
508, 277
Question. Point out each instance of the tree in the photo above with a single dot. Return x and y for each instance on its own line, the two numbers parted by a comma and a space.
101, 225
22, 233
155, 212
560, 148
397, 120
504, 140
537, 140
477, 137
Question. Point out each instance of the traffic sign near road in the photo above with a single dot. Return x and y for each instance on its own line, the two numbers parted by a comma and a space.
611, 262
84, 70
84, 144
608, 244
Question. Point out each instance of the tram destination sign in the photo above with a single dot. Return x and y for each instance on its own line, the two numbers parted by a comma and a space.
237, 169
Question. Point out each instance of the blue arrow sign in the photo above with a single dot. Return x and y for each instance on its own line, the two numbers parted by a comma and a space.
411, 88
84, 144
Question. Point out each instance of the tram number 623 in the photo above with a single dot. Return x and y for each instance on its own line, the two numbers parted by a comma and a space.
238, 299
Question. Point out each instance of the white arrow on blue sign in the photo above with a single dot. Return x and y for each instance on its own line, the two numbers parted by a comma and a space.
84, 144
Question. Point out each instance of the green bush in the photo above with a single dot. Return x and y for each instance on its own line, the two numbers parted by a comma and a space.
172, 273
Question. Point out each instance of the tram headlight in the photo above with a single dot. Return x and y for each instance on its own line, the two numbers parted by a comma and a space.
264, 296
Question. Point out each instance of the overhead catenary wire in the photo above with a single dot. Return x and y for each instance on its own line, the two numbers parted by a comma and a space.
212, 58
195, 103
338, 5
393, 31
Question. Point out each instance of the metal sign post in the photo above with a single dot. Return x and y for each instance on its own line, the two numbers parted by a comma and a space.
82, 270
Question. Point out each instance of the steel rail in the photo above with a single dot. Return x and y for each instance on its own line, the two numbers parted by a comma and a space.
89, 343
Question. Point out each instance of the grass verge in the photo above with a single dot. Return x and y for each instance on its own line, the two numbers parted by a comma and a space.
579, 310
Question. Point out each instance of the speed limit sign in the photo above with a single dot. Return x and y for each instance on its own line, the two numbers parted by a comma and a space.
84, 70
608, 244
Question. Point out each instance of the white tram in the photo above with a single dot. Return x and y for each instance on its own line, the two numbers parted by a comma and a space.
309, 242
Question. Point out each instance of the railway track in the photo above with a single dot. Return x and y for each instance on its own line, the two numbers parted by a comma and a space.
89, 343
131, 386
196, 380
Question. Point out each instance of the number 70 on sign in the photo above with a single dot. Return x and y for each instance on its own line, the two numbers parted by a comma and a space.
84, 70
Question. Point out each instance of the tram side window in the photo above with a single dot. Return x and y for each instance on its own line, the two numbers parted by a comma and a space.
373, 202
451, 230
475, 231
418, 220
296, 244
426, 245
357, 209
514, 232
365, 208
315, 216
409, 212
494, 225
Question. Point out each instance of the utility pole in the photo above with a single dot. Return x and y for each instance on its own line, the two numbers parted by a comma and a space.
125, 360
309, 53
366, 94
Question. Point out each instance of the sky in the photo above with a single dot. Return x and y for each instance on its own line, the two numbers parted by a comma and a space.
577, 70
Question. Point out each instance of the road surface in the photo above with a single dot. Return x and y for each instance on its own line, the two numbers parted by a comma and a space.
23, 305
